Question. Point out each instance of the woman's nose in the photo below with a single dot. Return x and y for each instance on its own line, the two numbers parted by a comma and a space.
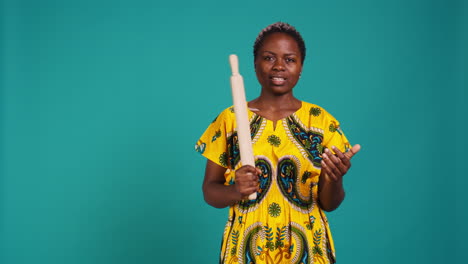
279, 65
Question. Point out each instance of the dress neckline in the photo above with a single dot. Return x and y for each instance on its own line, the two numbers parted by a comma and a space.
276, 121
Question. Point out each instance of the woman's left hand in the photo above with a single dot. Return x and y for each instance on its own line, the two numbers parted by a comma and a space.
336, 165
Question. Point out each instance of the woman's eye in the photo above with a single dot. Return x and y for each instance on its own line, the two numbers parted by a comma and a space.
268, 58
290, 60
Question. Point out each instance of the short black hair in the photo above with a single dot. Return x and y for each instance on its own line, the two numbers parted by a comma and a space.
280, 27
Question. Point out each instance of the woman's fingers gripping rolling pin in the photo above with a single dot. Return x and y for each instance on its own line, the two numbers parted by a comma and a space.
247, 180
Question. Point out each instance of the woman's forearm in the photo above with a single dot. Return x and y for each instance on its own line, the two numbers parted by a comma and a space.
331, 194
219, 195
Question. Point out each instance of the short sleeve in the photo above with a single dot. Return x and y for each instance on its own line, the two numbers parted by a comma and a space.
213, 143
334, 135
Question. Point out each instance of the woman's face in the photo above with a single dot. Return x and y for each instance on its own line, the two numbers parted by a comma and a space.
278, 64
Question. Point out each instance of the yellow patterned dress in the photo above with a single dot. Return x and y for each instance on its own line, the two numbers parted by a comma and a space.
285, 223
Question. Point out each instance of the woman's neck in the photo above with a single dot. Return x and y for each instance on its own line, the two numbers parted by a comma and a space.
274, 103
275, 108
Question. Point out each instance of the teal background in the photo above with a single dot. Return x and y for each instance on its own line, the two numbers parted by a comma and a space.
102, 102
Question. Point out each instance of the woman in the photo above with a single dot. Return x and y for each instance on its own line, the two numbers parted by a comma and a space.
301, 157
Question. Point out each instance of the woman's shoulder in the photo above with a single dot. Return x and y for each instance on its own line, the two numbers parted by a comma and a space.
314, 110
229, 112
317, 118
225, 115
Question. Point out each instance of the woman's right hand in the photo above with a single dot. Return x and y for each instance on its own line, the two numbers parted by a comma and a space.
246, 181
220, 195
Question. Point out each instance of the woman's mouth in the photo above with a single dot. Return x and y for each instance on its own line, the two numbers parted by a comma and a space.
278, 80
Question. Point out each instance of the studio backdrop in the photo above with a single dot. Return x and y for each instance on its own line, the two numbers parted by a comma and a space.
102, 102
